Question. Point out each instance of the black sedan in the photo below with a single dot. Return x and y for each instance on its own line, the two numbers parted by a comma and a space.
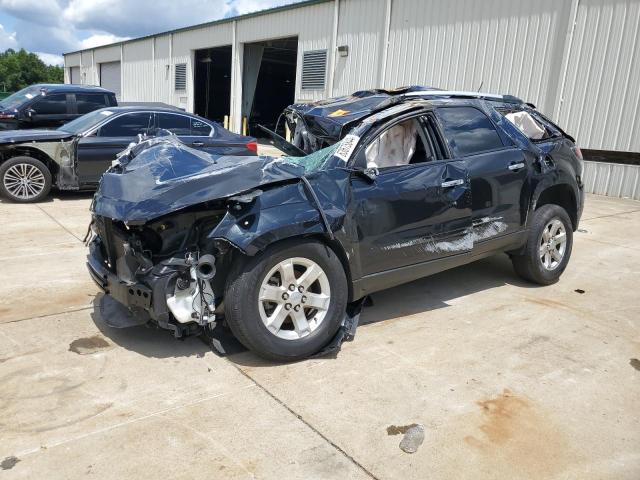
75, 156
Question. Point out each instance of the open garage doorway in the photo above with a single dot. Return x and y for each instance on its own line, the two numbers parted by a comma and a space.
212, 83
268, 81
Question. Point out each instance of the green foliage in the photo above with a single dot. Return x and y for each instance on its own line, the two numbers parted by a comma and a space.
21, 69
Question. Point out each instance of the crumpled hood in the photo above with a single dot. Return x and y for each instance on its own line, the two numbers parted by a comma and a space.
20, 136
168, 176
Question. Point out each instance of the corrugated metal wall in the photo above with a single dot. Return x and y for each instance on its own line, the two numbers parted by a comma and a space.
361, 26
587, 78
496, 46
612, 179
602, 86
137, 70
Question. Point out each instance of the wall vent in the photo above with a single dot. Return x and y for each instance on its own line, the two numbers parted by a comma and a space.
181, 76
314, 69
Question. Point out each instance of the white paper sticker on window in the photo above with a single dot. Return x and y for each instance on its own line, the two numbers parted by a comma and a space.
28, 95
347, 146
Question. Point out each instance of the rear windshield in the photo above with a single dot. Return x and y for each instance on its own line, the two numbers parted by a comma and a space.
85, 122
15, 100
531, 123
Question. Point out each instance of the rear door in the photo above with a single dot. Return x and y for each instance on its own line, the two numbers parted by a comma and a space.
98, 150
418, 208
88, 102
497, 170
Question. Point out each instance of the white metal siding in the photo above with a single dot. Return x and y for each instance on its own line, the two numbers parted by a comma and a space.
602, 88
505, 46
162, 70
612, 179
88, 71
508, 46
361, 28
137, 71
107, 54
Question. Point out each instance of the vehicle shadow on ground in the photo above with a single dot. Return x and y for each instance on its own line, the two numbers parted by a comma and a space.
420, 296
146, 340
423, 296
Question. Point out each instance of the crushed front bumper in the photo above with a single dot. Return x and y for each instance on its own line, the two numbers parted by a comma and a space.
146, 297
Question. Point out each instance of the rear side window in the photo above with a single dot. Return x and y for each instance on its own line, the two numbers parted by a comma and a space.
468, 131
129, 125
51, 105
199, 128
176, 124
88, 102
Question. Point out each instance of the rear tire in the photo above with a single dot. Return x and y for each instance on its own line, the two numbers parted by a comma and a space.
24, 180
548, 247
271, 300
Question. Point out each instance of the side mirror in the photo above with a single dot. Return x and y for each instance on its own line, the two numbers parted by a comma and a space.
30, 112
371, 173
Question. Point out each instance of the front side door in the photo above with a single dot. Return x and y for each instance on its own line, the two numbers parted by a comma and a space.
418, 208
497, 171
97, 150
50, 111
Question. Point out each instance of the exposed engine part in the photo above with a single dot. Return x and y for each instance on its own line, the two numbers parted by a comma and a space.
206, 267
196, 301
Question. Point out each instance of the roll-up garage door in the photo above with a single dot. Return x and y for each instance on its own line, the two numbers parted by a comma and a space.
110, 77
75, 75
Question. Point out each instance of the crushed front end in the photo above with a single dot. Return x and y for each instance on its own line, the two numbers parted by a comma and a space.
159, 270
153, 244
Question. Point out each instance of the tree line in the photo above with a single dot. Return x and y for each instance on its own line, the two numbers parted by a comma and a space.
19, 69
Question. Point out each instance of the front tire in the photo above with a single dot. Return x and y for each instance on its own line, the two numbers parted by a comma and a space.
287, 302
548, 248
24, 180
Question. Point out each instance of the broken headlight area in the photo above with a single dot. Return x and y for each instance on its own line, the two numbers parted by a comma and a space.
165, 270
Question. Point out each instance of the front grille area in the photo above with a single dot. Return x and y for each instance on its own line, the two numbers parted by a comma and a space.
104, 227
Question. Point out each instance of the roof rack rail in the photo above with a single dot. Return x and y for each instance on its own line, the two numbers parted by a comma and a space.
462, 94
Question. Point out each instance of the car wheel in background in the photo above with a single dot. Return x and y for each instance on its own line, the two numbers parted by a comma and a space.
287, 302
24, 180
548, 247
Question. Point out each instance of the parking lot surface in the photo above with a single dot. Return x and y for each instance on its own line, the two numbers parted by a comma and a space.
509, 380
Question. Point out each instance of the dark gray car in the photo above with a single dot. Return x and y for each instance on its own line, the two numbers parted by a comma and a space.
75, 156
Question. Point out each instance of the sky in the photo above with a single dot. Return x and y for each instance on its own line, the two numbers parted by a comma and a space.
50, 28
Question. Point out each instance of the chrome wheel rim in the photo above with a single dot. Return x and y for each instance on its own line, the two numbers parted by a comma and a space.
553, 244
294, 298
24, 181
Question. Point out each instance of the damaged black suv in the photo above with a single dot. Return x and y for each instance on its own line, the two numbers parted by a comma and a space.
393, 186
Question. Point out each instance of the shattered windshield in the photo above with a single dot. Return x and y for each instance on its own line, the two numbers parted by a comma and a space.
314, 161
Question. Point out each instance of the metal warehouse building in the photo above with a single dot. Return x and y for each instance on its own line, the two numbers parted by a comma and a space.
577, 60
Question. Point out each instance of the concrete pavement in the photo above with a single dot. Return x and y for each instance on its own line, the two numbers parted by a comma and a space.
510, 380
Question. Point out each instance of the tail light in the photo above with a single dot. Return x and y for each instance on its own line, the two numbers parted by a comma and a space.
252, 146
6, 116
578, 152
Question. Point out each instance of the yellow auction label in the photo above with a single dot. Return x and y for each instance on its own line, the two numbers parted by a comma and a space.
339, 113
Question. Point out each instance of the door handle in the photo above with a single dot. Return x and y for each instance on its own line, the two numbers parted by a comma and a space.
452, 183
198, 144
516, 166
